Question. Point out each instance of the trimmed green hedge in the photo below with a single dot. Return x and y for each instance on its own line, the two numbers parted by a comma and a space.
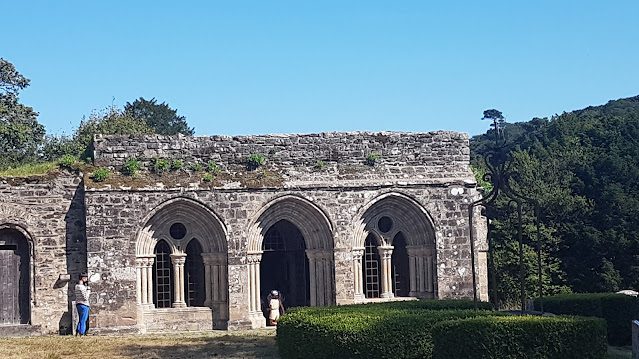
617, 309
379, 330
520, 337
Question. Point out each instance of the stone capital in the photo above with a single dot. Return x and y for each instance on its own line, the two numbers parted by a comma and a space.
358, 252
385, 251
254, 257
178, 258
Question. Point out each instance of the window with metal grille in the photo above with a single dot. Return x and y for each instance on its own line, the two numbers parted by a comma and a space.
371, 266
273, 241
195, 294
162, 276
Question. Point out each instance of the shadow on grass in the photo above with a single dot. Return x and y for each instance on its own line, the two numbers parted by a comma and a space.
226, 346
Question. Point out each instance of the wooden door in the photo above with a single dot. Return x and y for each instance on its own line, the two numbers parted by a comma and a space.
14, 278
9, 282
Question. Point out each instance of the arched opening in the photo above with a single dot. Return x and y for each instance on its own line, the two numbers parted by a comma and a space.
371, 266
195, 291
15, 296
402, 233
284, 265
399, 260
162, 276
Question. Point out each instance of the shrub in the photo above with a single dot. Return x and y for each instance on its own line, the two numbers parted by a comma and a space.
320, 165
520, 337
373, 158
254, 161
213, 168
177, 165
131, 167
207, 177
68, 161
380, 330
617, 309
160, 165
196, 167
101, 174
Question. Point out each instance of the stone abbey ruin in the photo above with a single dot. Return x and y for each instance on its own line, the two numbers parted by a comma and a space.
330, 218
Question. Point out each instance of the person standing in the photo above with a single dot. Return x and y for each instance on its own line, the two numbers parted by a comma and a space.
275, 307
82, 292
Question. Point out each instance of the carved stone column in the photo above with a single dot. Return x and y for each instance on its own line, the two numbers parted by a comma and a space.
255, 308
421, 261
358, 282
139, 266
312, 276
148, 268
209, 279
144, 280
178, 260
385, 253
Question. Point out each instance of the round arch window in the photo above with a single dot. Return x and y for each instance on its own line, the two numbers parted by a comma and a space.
177, 231
385, 224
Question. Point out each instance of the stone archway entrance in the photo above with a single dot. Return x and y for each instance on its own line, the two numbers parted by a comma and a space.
284, 265
305, 268
14, 278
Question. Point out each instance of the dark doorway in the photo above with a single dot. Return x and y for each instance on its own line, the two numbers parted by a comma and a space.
162, 276
284, 265
399, 260
195, 295
371, 267
14, 278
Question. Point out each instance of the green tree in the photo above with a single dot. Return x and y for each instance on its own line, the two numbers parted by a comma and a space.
162, 118
110, 121
20, 133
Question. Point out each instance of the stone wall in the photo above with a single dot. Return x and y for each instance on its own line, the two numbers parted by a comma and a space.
115, 217
409, 157
50, 210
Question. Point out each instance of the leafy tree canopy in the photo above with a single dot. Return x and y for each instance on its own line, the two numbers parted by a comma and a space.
162, 118
111, 121
583, 169
20, 133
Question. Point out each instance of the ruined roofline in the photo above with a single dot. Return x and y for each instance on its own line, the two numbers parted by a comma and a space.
326, 134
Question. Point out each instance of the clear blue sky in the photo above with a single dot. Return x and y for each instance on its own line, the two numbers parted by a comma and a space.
245, 67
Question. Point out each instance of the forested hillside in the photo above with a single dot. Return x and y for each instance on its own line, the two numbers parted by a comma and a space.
583, 169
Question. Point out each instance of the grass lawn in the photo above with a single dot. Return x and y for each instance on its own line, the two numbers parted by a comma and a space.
217, 344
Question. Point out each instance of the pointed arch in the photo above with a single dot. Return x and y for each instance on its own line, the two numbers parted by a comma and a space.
410, 216
201, 223
312, 222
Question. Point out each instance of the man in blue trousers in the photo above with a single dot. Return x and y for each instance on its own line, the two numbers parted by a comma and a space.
82, 292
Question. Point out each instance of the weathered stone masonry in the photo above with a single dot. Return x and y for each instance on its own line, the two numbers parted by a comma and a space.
422, 181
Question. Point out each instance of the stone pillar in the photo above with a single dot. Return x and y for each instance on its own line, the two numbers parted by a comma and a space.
139, 266
144, 280
385, 253
209, 280
320, 269
358, 281
312, 276
148, 268
255, 311
178, 260
421, 261
216, 286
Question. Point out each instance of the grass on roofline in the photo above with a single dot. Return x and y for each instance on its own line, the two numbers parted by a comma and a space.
30, 169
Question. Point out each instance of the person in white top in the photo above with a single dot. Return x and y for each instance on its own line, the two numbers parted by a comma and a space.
82, 292
275, 307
